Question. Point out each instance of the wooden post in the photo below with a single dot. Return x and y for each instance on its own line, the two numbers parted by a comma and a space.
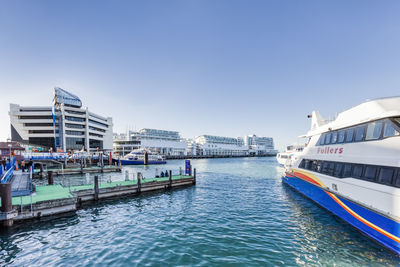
41, 170
5, 192
6, 201
139, 184
180, 170
194, 176
96, 187
102, 162
50, 178
170, 179
126, 175
146, 158
81, 166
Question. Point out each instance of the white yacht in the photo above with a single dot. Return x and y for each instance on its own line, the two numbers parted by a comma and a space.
137, 157
351, 167
282, 157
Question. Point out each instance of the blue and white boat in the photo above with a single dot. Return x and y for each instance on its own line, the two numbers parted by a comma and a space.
351, 167
137, 157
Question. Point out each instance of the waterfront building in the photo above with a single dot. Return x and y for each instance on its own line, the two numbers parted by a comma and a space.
210, 145
123, 143
163, 142
64, 126
13, 148
260, 145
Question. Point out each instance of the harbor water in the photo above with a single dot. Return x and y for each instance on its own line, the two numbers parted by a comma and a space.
238, 213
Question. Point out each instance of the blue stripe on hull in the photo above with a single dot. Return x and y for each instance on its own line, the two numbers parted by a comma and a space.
322, 198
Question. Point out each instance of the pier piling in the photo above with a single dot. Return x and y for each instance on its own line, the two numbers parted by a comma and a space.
6, 203
50, 179
139, 185
96, 187
170, 179
194, 176
5, 192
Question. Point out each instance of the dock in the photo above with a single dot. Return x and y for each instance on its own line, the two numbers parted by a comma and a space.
72, 171
56, 199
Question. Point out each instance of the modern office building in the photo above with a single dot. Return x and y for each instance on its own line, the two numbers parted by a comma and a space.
209, 145
64, 126
163, 142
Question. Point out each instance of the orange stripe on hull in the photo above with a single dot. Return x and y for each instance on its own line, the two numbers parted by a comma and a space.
303, 176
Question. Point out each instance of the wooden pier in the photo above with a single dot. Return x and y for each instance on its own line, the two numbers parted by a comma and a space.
56, 199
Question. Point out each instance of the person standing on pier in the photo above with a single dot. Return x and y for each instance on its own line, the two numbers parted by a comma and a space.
23, 165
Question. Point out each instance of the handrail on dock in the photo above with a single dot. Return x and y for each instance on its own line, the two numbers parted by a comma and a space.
9, 173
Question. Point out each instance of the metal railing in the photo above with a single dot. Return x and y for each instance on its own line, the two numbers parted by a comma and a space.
9, 173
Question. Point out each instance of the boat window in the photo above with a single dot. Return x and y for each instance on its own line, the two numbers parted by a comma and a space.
370, 172
340, 136
325, 167
397, 183
307, 164
328, 139
314, 165
359, 133
319, 166
349, 135
347, 170
389, 130
357, 171
334, 138
321, 139
386, 175
302, 163
331, 168
338, 169
374, 130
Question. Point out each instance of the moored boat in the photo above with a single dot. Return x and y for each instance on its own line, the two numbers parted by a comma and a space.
282, 157
351, 167
140, 157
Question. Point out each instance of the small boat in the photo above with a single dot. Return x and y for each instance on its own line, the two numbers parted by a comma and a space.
137, 157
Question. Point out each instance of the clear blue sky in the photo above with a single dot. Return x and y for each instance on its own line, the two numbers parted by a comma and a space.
216, 67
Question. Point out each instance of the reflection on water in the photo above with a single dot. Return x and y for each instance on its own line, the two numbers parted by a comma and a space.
238, 213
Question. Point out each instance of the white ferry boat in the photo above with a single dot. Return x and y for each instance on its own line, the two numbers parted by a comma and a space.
351, 167
282, 157
137, 157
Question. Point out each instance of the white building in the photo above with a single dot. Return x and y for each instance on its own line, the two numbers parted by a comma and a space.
64, 126
123, 143
209, 145
259, 145
163, 142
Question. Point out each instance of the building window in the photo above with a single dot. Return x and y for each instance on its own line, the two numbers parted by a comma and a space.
69, 118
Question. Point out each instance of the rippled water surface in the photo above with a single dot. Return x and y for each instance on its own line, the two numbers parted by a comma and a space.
239, 213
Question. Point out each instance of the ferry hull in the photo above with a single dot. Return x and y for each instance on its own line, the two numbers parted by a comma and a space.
378, 227
140, 162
